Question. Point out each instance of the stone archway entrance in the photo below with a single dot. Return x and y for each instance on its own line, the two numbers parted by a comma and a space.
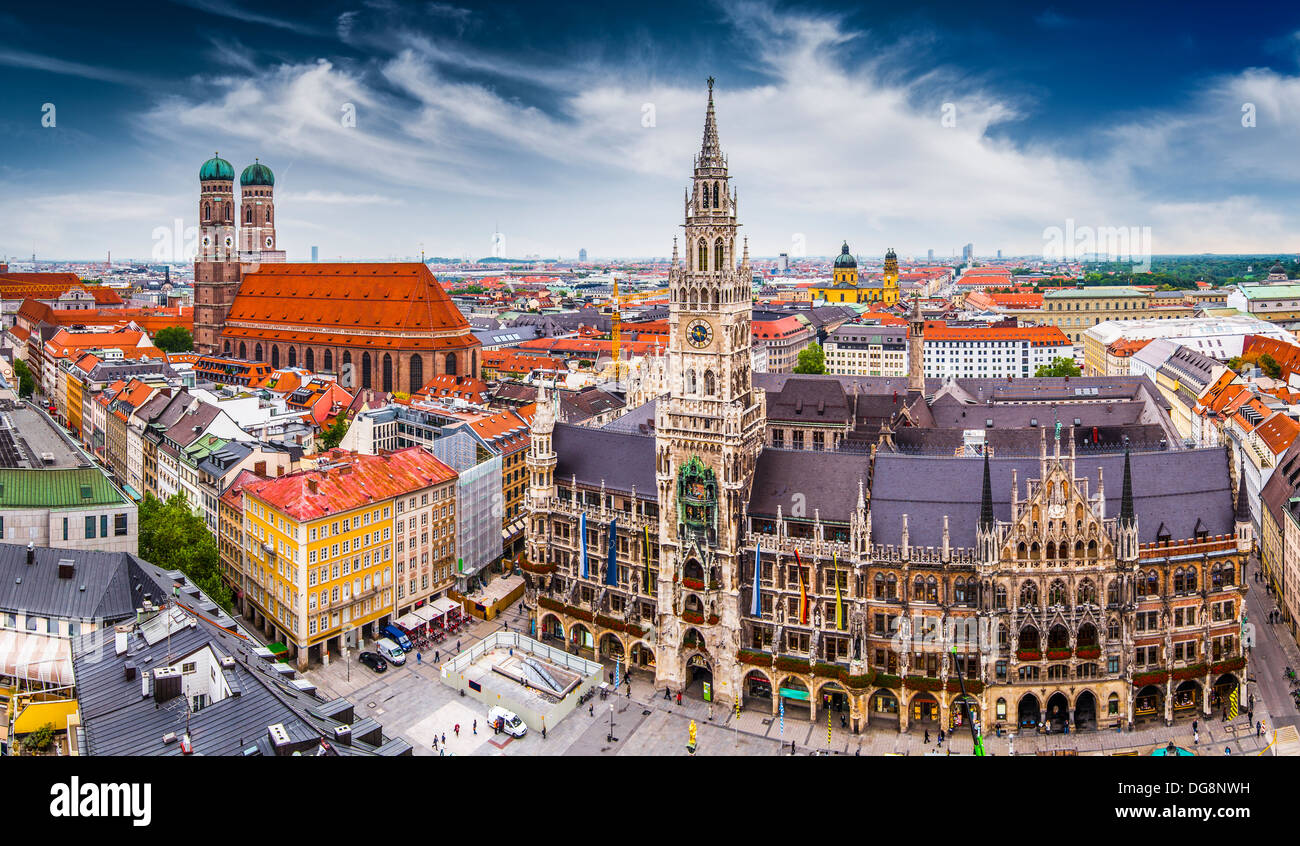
758, 685
643, 656
699, 670
552, 628
1028, 713
611, 647
1085, 711
925, 710
1187, 700
795, 696
1224, 685
962, 709
884, 709
1058, 712
1149, 704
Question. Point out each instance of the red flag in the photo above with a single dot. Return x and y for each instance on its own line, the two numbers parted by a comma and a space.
803, 592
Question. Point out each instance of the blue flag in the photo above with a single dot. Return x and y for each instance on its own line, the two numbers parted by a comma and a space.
582, 543
611, 568
757, 607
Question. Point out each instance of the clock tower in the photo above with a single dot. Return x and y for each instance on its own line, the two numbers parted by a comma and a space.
708, 434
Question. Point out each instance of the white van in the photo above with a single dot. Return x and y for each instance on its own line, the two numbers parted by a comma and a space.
391, 651
510, 722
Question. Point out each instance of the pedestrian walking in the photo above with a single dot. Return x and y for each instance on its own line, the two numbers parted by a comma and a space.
1259, 729
458, 646
1196, 738
679, 697
543, 731
444, 739
1196, 726
665, 693
436, 656
629, 691
927, 736
1250, 715
458, 729
419, 659
435, 741
844, 723
591, 709
792, 748
475, 726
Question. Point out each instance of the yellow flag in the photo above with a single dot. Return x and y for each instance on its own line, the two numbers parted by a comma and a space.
839, 603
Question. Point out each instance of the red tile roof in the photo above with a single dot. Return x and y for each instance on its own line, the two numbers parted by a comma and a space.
398, 305
351, 480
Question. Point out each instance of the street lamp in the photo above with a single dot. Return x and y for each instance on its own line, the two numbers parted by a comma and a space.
611, 737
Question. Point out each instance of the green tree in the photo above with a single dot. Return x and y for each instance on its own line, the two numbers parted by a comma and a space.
174, 339
1269, 365
1060, 366
173, 537
26, 384
811, 359
333, 436
41, 739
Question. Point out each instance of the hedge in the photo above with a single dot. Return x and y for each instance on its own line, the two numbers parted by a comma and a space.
756, 657
792, 664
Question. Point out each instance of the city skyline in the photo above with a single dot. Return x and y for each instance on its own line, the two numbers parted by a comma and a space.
567, 131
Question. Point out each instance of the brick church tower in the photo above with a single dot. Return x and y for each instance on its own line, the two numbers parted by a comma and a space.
216, 267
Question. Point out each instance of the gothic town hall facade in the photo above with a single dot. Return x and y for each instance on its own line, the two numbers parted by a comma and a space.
1048, 546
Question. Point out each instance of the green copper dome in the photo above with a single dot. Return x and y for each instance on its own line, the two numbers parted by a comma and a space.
216, 168
257, 174
845, 259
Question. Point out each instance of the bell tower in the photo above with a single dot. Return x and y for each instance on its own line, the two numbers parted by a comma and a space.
216, 266
708, 435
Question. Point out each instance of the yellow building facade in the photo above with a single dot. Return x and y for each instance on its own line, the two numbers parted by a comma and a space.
846, 287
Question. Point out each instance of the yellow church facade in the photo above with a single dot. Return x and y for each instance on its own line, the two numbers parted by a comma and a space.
846, 287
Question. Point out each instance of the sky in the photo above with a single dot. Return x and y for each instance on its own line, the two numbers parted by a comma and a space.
572, 125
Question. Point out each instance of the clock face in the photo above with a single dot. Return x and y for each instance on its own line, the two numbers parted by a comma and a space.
229, 241
207, 241
270, 242
699, 334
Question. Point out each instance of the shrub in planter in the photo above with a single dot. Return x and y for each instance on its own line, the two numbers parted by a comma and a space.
693, 584
1058, 654
756, 657
1229, 665
550, 604
1144, 679
924, 683
792, 664
859, 682
1028, 654
828, 671
692, 617
1088, 652
713, 619
886, 680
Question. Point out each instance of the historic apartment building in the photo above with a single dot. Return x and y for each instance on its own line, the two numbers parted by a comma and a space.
845, 576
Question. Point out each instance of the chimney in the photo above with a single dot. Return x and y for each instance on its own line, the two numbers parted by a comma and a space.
166, 683
121, 637
279, 738
129, 668
343, 735
31, 553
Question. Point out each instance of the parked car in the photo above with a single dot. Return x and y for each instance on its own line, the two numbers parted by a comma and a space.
393, 632
509, 721
374, 661
390, 651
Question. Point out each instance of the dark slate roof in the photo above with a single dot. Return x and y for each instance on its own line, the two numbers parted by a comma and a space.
1175, 489
109, 579
219, 462
118, 720
619, 459
639, 420
826, 481
800, 400
587, 403
1283, 483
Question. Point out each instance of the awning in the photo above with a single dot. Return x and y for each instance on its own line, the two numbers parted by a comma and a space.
410, 621
35, 657
425, 613
442, 605
39, 713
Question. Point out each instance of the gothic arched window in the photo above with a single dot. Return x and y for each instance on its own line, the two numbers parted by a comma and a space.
293, 357
417, 373
715, 195
243, 350
387, 371
690, 381
329, 361
275, 356
207, 212
310, 359
703, 256
257, 353
710, 383
248, 215
449, 365
1029, 594
718, 261
268, 214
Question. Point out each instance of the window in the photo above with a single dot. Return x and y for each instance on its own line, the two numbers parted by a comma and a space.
119, 525
90, 527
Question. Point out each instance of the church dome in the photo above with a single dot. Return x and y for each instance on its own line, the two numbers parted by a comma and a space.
845, 258
216, 168
1277, 268
257, 174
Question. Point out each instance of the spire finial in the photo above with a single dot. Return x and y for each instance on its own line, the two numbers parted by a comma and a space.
986, 500
711, 80
1126, 514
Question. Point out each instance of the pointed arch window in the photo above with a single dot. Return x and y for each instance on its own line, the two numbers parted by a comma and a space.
268, 214
207, 212
690, 381
710, 383
1029, 594
718, 261
703, 259
248, 215
715, 195
329, 361
310, 358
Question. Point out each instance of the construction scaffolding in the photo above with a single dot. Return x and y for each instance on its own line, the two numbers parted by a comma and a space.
478, 518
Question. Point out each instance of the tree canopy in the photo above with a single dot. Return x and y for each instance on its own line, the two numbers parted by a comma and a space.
174, 339
173, 537
812, 359
26, 383
333, 436
1060, 366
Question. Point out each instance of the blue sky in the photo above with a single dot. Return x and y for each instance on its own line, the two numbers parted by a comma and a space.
533, 117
